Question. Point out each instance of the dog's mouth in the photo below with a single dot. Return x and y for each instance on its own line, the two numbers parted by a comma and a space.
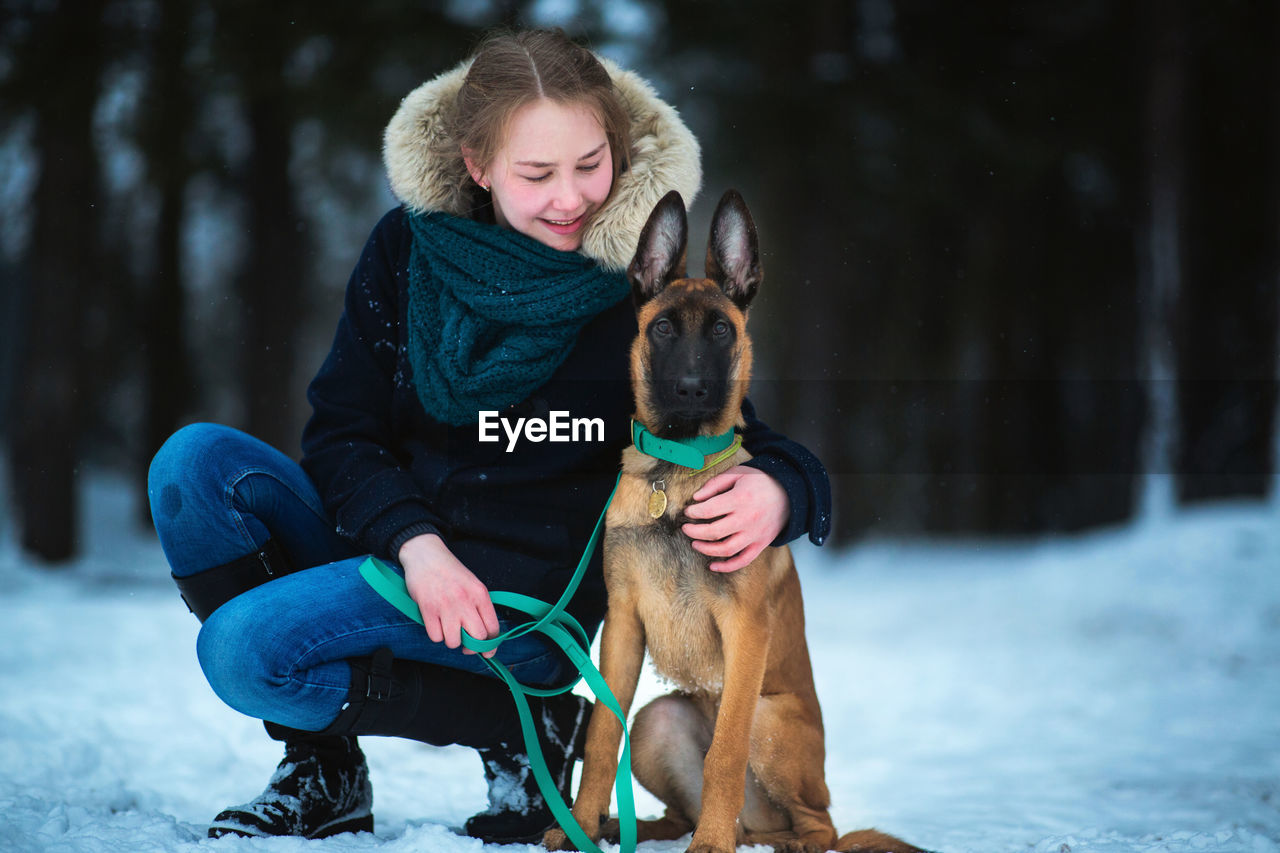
684, 417
692, 415
683, 424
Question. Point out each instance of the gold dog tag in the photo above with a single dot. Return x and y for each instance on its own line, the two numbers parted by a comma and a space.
658, 500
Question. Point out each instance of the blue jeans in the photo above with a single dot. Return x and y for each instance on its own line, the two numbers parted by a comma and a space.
279, 651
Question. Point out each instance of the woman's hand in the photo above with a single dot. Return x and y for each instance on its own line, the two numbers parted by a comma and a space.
749, 509
450, 598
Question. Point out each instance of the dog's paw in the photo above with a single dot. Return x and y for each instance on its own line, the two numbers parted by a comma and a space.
700, 847
555, 839
611, 830
798, 845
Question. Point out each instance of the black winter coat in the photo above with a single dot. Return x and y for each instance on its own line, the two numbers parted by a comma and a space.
519, 520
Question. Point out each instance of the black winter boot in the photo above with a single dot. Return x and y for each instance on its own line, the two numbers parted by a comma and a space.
518, 813
440, 705
425, 702
204, 592
320, 788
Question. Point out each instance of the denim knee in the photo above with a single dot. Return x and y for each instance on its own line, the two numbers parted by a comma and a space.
252, 659
189, 452
191, 485
234, 662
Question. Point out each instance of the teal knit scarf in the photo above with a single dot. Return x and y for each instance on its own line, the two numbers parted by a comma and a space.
493, 312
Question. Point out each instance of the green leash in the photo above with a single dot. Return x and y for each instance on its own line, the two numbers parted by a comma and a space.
567, 633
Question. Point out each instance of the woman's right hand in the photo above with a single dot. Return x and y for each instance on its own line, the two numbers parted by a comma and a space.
450, 598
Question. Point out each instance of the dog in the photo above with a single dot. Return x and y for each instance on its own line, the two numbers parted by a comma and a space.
736, 753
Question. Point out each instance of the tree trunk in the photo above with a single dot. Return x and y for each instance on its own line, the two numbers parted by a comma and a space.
1160, 262
48, 421
270, 286
1275, 259
166, 360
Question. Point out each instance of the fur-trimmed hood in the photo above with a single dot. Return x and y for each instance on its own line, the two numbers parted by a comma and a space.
664, 156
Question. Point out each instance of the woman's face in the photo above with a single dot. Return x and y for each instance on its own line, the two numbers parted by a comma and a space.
553, 173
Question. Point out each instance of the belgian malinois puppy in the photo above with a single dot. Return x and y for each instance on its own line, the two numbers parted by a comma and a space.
736, 753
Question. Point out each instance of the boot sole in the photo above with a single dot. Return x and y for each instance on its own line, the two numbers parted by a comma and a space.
363, 823
356, 824
507, 838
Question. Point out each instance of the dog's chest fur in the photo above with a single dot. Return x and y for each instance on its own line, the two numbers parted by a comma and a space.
651, 563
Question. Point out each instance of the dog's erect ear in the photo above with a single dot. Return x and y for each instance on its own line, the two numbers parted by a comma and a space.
660, 256
733, 255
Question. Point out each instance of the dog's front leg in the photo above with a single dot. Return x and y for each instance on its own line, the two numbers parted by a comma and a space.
724, 772
621, 659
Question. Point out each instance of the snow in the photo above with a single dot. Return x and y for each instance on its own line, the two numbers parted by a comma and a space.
1117, 690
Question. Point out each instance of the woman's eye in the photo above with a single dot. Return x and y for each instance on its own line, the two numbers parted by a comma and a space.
537, 179
589, 168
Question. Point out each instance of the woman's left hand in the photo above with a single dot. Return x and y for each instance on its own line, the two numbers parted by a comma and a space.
747, 508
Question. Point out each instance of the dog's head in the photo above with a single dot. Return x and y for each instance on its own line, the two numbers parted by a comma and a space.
691, 362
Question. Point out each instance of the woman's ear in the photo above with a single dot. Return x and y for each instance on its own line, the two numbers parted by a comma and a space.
477, 174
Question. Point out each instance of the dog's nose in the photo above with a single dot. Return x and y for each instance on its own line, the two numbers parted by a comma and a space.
691, 388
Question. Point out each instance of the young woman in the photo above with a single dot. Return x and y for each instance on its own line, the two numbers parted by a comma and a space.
493, 293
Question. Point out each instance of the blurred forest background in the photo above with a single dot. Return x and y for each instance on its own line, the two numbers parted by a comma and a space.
1021, 257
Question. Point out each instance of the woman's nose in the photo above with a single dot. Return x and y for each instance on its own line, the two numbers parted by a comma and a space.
568, 196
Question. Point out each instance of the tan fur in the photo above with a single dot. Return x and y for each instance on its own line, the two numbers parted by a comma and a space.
737, 752
664, 156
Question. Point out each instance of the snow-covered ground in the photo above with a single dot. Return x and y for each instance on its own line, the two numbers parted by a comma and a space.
1113, 691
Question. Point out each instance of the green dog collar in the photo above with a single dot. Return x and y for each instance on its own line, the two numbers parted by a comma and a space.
687, 452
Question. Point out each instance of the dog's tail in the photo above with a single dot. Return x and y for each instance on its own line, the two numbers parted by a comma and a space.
873, 841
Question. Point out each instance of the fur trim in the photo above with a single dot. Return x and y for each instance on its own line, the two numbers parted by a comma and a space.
420, 179
664, 156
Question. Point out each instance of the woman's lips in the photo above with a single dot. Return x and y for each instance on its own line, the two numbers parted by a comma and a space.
565, 226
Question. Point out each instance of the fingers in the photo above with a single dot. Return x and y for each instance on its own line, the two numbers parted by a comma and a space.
481, 623
451, 600
448, 624
721, 483
739, 550
712, 507
452, 630
710, 531
722, 546
435, 628
717, 485
473, 614
743, 558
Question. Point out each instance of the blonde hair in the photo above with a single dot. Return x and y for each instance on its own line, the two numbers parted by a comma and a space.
509, 70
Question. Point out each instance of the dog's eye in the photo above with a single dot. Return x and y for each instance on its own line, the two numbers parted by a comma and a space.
720, 329
662, 327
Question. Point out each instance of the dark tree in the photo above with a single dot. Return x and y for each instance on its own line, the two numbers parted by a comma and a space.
257, 42
166, 359
62, 270
1227, 344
